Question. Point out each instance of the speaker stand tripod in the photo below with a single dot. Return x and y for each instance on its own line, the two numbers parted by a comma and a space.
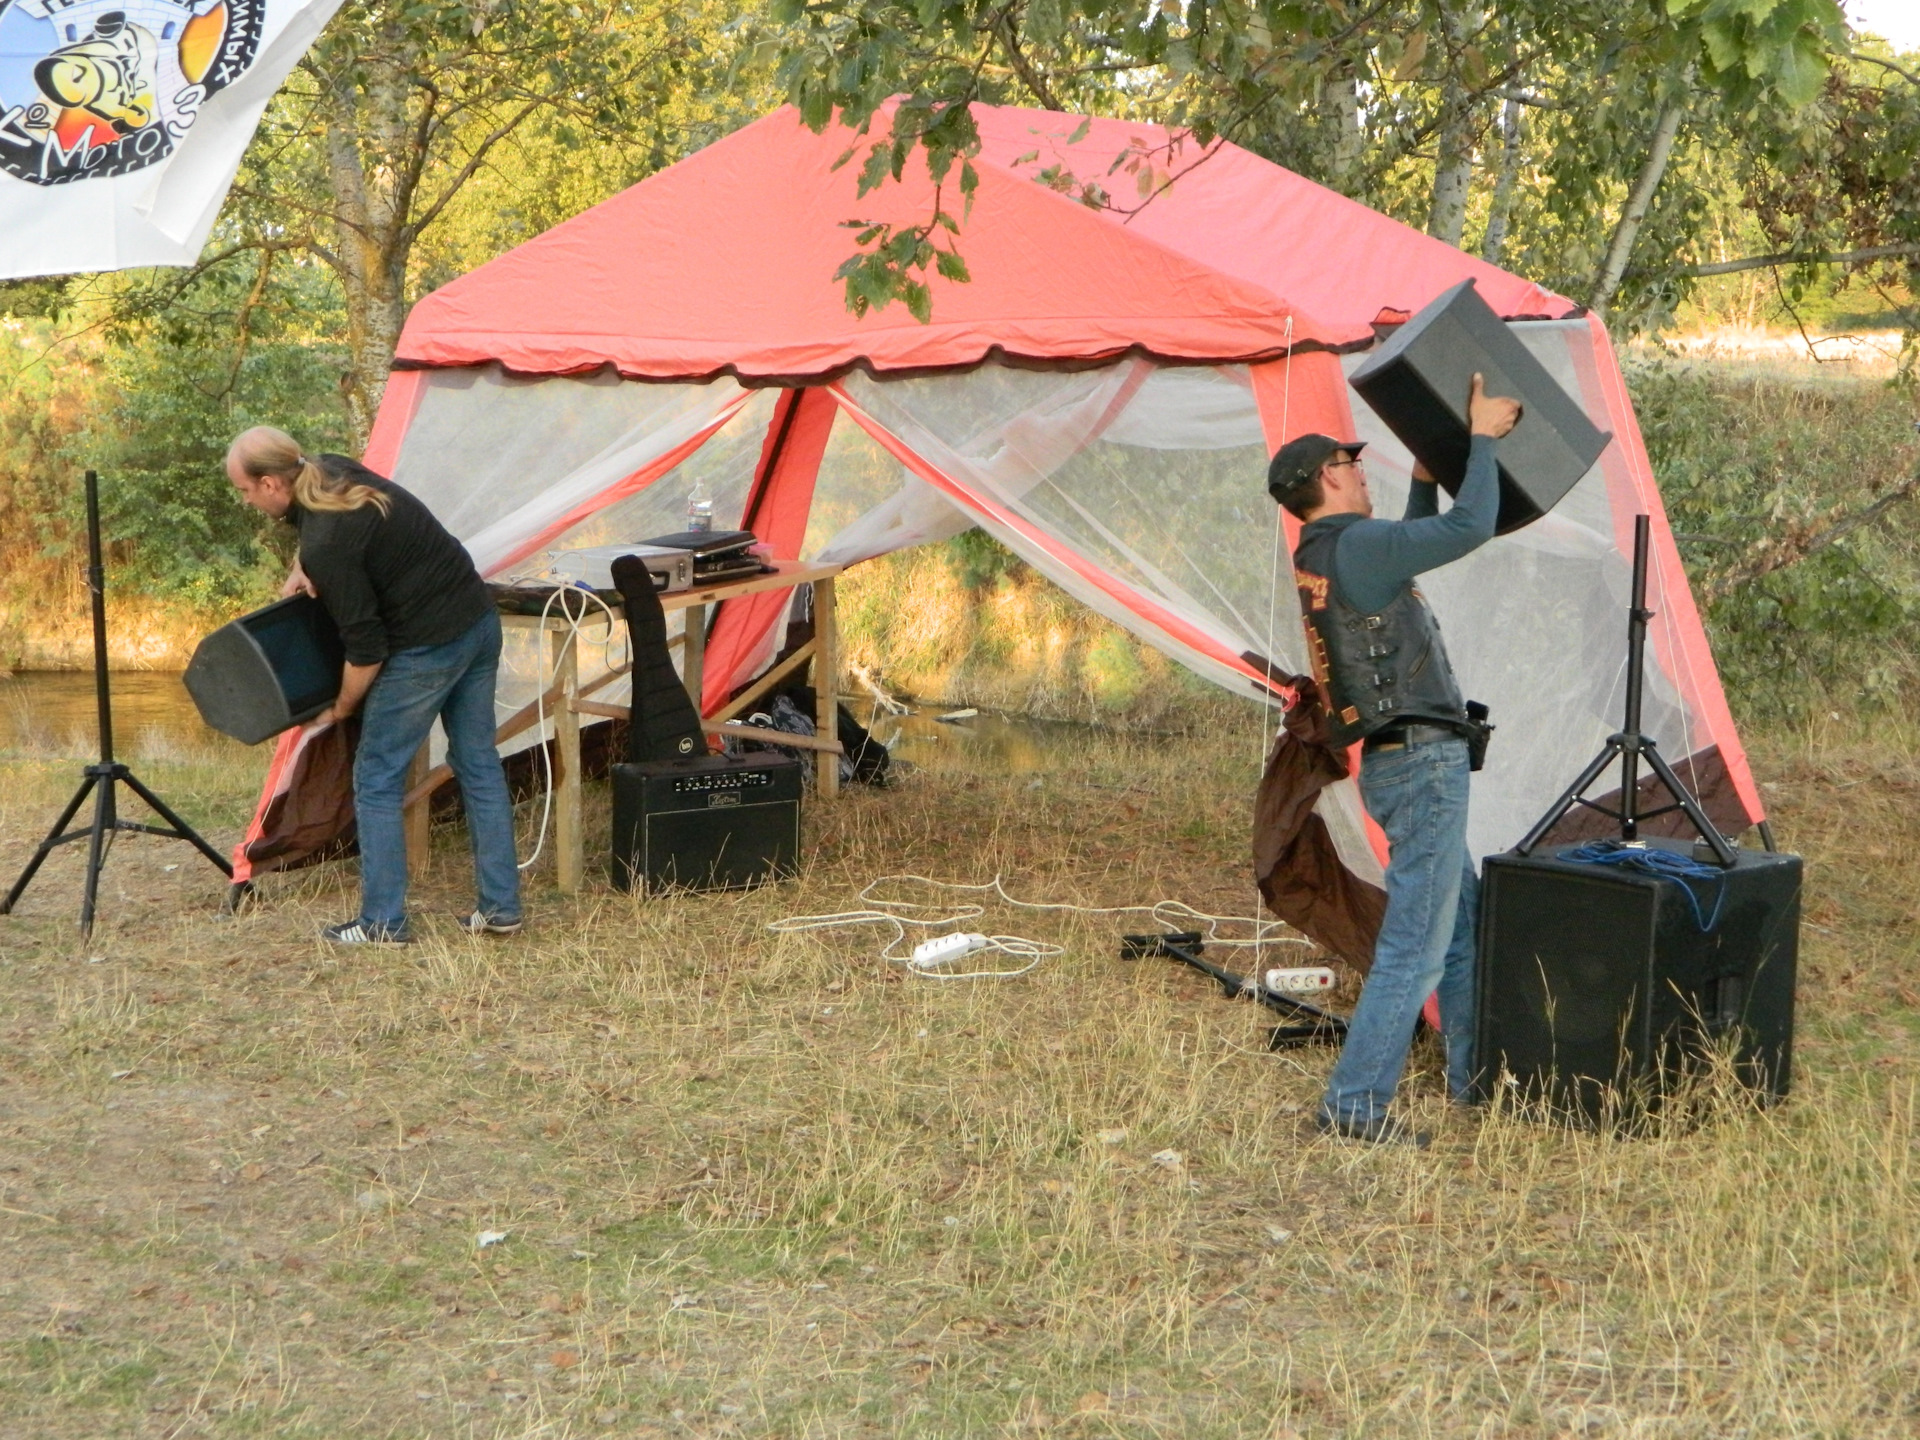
99, 780
1630, 746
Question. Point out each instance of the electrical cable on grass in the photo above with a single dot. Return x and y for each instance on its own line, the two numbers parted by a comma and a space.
902, 915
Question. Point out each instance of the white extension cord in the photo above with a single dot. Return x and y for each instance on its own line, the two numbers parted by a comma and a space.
1300, 979
542, 682
931, 958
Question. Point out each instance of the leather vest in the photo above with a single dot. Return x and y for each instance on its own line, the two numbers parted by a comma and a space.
1375, 670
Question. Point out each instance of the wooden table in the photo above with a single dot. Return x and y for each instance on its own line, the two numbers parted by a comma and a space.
566, 701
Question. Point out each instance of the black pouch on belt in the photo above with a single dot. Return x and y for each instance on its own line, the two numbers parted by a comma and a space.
1478, 731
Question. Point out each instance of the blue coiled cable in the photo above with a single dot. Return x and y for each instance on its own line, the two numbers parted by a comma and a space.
1662, 864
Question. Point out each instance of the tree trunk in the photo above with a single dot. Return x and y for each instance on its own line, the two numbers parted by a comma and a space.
1494, 243
1349, 143
372, 237
1607, 282
1453, 171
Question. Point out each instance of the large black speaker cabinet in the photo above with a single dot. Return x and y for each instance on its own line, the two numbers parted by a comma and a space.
1418, 383
715, 822
1598, 988
267, 671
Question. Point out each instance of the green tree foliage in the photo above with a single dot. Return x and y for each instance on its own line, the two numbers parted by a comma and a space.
1793, 506
1392, 102
405, 105
225, 350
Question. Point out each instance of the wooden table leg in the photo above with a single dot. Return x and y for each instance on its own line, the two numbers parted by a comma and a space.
826, 686
416, 822
569, 843
694, 651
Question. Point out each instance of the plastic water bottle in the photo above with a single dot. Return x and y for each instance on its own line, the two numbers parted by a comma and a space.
699, 507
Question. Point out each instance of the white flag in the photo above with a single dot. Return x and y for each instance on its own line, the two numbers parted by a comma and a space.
122, 122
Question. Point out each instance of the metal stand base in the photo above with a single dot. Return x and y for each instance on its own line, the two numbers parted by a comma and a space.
1630, 747
99, 782
101, 779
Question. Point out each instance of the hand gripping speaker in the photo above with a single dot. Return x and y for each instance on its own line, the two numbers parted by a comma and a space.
267, 671
1418, 383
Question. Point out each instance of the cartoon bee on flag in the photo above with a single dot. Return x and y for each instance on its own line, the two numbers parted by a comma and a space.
104, 87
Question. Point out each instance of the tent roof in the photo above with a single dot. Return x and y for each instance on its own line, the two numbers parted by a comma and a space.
724, 264
1247, 217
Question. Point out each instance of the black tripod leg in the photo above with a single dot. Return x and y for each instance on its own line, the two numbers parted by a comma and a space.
1683, 797
54, 837
103, 818
182, 829
1567, 801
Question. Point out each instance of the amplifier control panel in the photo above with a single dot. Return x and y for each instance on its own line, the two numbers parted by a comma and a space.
721, 780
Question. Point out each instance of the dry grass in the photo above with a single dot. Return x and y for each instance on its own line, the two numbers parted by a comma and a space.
766, 1187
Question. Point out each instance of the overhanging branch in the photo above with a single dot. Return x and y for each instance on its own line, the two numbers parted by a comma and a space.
1791, 257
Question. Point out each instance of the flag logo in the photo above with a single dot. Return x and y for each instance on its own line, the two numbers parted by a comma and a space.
92, 88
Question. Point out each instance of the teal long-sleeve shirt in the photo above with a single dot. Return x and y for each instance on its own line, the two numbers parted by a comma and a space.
1374, 558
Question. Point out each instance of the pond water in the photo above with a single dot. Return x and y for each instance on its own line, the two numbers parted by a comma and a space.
51, 713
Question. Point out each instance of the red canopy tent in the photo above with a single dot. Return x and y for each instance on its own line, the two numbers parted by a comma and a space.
1100, 397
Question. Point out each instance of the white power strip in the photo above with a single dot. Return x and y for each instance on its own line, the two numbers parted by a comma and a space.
945, 949
1300, 979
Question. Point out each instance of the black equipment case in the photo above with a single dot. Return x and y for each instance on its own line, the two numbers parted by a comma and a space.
1598, 988
713, 822
1418, 384
267, 671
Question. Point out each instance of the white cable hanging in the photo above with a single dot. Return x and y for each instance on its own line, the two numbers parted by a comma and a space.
542, 680
1268, 733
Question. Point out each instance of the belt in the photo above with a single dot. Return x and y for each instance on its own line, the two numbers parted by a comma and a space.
1397, 737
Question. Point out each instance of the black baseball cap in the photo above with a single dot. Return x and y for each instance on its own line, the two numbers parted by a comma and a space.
1299, 460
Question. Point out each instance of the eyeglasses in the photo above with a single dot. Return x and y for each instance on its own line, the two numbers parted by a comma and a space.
1350, 460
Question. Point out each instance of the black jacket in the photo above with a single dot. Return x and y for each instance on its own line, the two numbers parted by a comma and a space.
391, 582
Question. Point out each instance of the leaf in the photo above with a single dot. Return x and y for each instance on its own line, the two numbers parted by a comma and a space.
1473, 67
1080, 131
1800, 71
875, 170
952, 267
919, 300
1413, 57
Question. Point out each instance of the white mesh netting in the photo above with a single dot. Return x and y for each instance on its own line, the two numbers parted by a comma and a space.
1138, 489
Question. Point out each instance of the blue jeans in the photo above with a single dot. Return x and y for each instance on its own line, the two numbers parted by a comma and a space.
454, 682
1418, 796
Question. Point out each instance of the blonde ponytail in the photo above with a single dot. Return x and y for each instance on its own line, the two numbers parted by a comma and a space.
264, 451
315, 489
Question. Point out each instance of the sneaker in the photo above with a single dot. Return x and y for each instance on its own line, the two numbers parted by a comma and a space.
359, 932
1381, 1130
477, 923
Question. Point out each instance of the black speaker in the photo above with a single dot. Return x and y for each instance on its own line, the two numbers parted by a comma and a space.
716, 822
1600, 987
267, 671
1418, 383
664, 723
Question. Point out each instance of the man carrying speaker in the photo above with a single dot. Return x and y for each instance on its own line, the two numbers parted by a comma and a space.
422, 642
1387, 684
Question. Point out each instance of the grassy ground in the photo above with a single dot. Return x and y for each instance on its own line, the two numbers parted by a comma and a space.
766, 1186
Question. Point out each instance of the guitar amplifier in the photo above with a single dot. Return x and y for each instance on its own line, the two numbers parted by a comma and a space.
713, 822
1418, 383
1599, 988
267, 671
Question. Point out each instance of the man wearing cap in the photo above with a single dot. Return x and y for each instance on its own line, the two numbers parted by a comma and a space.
1387, 683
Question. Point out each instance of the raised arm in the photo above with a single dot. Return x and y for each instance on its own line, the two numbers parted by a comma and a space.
1376, 557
